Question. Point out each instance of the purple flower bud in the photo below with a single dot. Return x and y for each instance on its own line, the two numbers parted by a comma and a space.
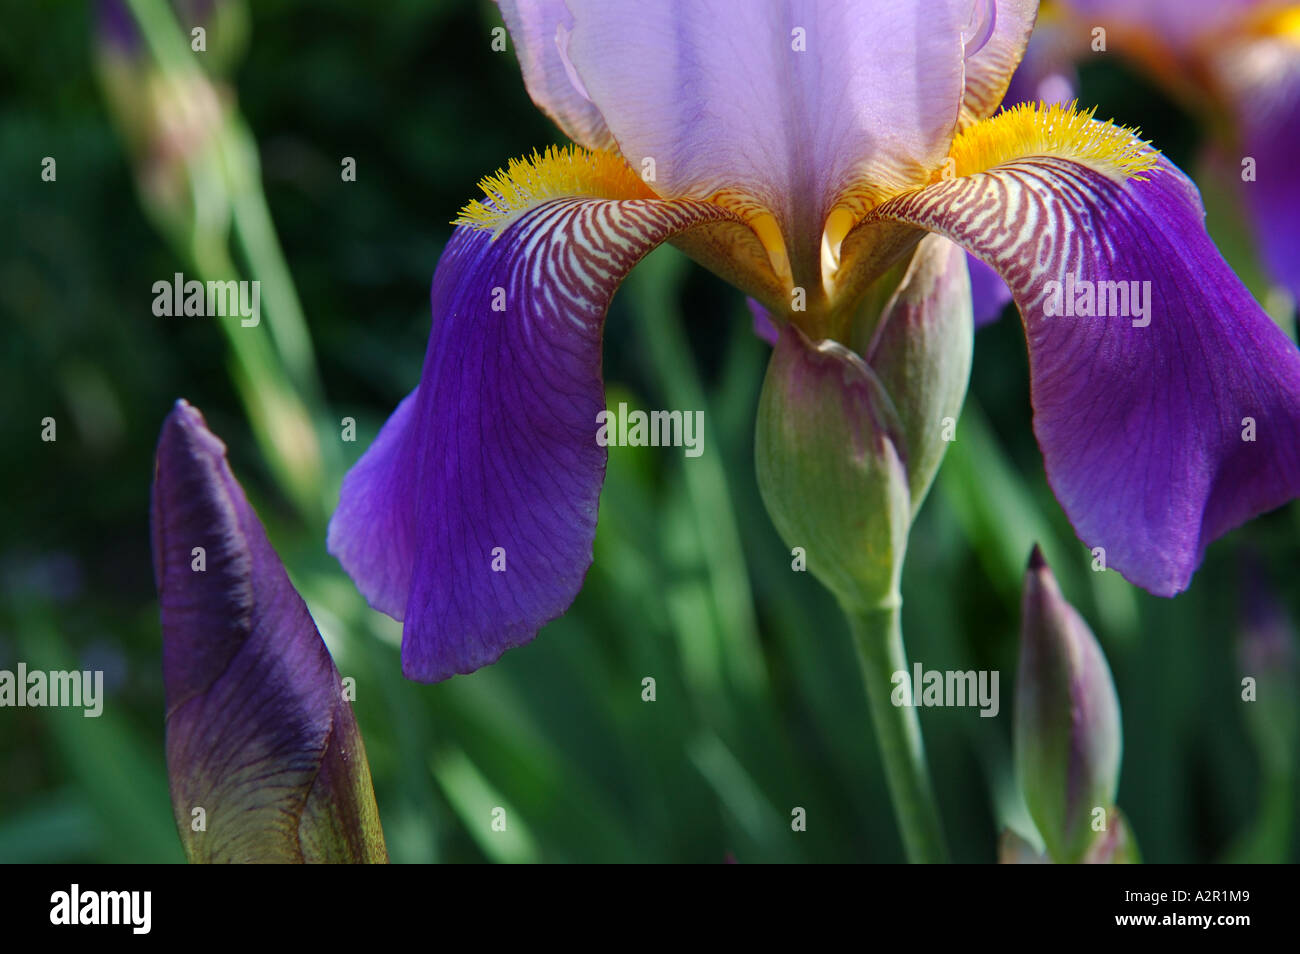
263, 753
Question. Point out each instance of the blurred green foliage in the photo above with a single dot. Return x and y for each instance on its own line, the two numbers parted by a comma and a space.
759, 706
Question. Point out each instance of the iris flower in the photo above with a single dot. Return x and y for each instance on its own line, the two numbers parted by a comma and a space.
802, 150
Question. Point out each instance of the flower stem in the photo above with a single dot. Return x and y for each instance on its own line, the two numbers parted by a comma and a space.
878, 635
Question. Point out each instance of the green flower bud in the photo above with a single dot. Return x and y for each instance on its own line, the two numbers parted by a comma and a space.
1114, 846
829, 468
921, 353
1067, 722
848, 446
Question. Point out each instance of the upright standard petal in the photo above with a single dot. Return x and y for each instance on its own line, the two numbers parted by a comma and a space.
472, 516
1166, 403
540, 31
786, 109
263, 753
989, 67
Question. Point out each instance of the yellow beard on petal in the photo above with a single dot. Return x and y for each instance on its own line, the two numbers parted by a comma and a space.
557, 173
1065, 132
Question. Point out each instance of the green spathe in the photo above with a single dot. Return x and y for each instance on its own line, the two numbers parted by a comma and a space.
921, 353
830, 470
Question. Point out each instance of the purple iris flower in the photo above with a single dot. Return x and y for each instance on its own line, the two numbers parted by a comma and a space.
264, 756
802, 150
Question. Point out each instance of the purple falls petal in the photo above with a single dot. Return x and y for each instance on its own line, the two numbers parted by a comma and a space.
264, 757
988, 292
1161, 431
472, 517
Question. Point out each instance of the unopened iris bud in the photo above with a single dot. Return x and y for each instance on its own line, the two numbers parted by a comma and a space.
1267, 657
172, 122
847, 446
1067, 723
830, 470
1114, 846
264, 757
921, 352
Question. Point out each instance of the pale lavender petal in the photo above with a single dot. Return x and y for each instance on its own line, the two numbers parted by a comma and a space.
473, 514
1160, 431
787, 108
539, 30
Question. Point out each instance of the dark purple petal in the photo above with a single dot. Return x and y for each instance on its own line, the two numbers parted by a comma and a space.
258, 734
1161, 433
988, 292
764, 327
116, 29
472, 516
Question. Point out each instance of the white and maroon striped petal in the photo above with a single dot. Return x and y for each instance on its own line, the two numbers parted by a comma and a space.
472, 516
1164, 423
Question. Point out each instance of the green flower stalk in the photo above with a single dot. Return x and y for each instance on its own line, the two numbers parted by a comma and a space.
198, 177
847, 446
